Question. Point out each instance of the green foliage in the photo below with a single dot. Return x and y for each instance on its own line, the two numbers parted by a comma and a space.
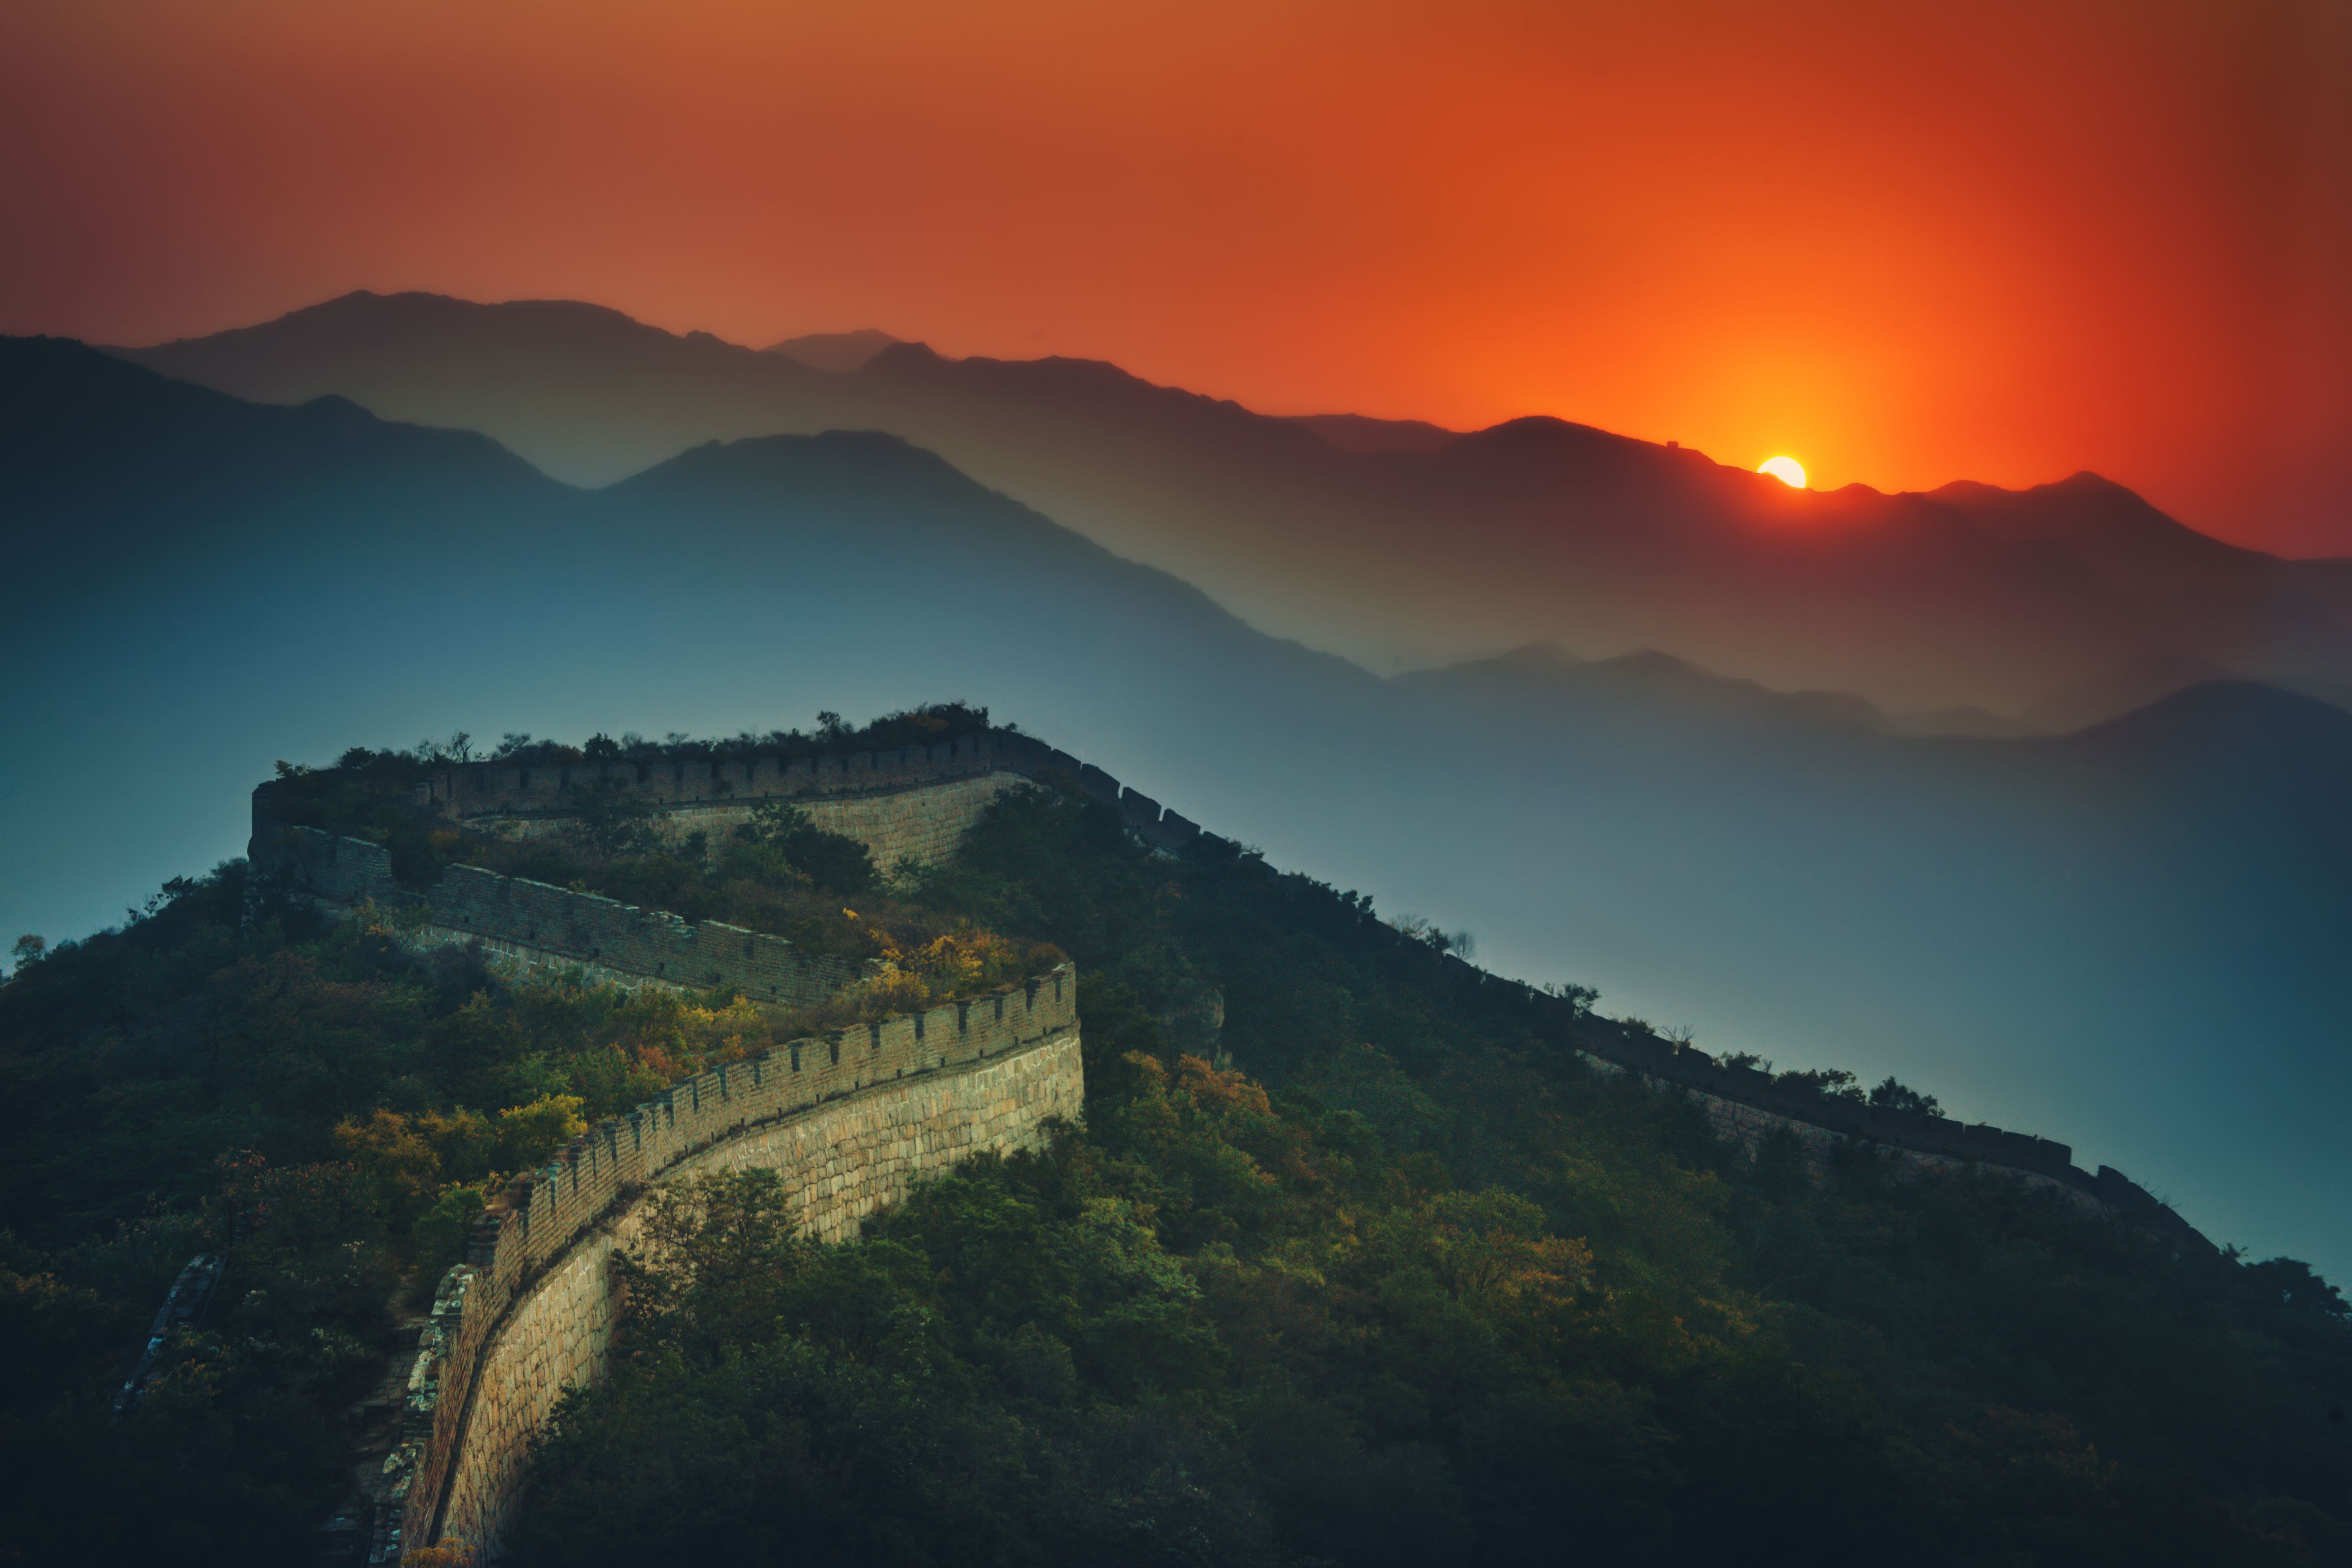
1422, 1289
610, 818
1409, 1284
231, 1074
439, 1233
530, 1135
830, 861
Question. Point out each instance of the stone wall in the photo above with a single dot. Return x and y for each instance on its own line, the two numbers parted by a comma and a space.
529, 930
853, 1116
484, 790
923, 824
911, 804
516, 796
1749, 1126
553, 926
846, 1160
341, 870
1744, 1104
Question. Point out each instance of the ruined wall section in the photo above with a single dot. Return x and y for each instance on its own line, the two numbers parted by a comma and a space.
915, 803
1749, 1127
853, 1116
923, 824
341, 870
532, 926
1747, 1105
529, 930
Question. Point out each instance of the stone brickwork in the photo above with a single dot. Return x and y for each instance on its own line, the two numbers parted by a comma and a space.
846, 1160
716, 795
538, 925
923, 824
853, 1116
529, 929
339, 870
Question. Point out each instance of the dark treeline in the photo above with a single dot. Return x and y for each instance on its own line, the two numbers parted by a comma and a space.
1379, 1273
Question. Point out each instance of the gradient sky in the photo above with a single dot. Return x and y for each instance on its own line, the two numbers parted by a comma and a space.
1905, 242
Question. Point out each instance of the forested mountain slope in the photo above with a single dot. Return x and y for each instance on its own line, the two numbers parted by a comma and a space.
1406, 1282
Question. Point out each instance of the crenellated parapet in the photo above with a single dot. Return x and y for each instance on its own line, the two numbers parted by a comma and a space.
540, 1211
850, 1116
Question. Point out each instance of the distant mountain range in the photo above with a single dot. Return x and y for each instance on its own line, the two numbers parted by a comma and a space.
2129, 937
1396, 544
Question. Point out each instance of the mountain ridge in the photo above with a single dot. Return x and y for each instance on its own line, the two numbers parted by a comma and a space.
1399, 552
2113, 939
836, 352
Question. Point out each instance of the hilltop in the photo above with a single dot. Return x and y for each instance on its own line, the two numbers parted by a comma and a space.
1354, 1259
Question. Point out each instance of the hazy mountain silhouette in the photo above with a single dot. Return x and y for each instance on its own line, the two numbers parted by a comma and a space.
2127, 937
837, 351
1397, 543
1653, 680
1356, 433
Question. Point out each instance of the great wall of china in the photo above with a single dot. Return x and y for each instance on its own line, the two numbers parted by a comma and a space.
855, 1115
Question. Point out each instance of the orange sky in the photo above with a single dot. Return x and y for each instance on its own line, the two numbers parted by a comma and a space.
1905, 242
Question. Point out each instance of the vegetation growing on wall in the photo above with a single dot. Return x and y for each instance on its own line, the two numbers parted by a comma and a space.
1406, 1282
775, 874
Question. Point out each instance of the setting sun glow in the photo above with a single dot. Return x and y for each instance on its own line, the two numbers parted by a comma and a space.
1788, 470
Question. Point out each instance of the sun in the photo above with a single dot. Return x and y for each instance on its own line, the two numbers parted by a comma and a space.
1788, 470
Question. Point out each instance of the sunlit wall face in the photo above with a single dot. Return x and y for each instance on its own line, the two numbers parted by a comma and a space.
1904, 244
